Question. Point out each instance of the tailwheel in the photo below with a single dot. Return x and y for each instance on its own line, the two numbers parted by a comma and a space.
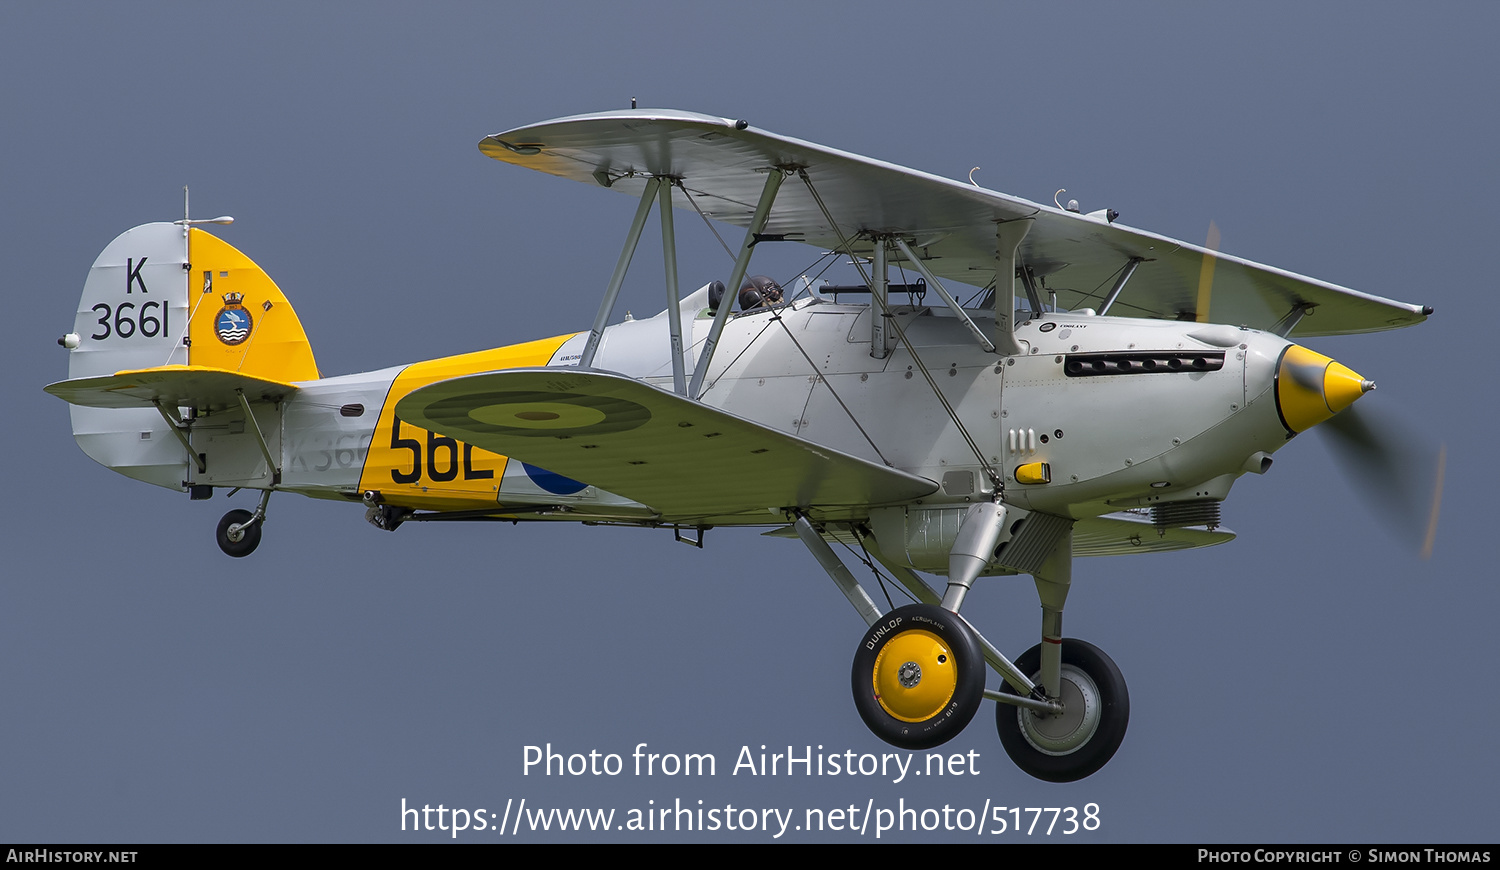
238, 535
1071, 745
918, 677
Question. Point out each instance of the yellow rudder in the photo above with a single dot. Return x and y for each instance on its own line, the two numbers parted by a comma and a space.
240, 320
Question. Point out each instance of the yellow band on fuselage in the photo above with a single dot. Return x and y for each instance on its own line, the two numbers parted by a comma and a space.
414, 468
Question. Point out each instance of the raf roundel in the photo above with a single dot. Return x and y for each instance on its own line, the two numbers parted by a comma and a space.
232, 324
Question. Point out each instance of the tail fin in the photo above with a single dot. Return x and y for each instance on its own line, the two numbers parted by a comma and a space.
133, 314
241, 322
165, 295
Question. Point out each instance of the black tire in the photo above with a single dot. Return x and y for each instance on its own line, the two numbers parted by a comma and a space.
933, 691
1095, 749
249, 537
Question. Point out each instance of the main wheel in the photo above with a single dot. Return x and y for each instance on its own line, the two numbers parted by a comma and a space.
240, 541
1080, 740
918, 677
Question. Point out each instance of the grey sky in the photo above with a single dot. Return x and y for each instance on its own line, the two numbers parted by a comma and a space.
1311, 681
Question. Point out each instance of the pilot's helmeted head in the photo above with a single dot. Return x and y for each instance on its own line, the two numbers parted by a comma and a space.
759, 292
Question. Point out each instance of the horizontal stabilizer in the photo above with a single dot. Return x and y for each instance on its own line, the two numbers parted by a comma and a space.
199, 387
682, 458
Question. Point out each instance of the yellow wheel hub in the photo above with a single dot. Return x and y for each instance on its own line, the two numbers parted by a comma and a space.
915, 676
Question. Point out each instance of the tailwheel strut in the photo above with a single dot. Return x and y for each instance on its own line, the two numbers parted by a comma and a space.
239, 530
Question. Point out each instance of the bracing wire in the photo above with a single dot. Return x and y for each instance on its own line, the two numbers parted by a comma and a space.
706, 222
824, 380
984, 463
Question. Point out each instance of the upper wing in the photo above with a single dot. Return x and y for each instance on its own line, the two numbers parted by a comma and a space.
952, 224
202, 387
682, 458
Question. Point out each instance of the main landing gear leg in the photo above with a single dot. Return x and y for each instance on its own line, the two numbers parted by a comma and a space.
973, 548
239, 530
918, 674
1075, 742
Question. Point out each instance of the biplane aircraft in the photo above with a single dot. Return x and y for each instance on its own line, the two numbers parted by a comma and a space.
1095, 390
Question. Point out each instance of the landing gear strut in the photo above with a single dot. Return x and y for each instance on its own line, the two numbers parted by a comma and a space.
918, 675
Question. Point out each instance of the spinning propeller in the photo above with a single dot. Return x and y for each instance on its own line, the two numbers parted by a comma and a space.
1399, 477
1385, 465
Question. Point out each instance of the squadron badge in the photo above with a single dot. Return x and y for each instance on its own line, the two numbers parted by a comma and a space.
232, 323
